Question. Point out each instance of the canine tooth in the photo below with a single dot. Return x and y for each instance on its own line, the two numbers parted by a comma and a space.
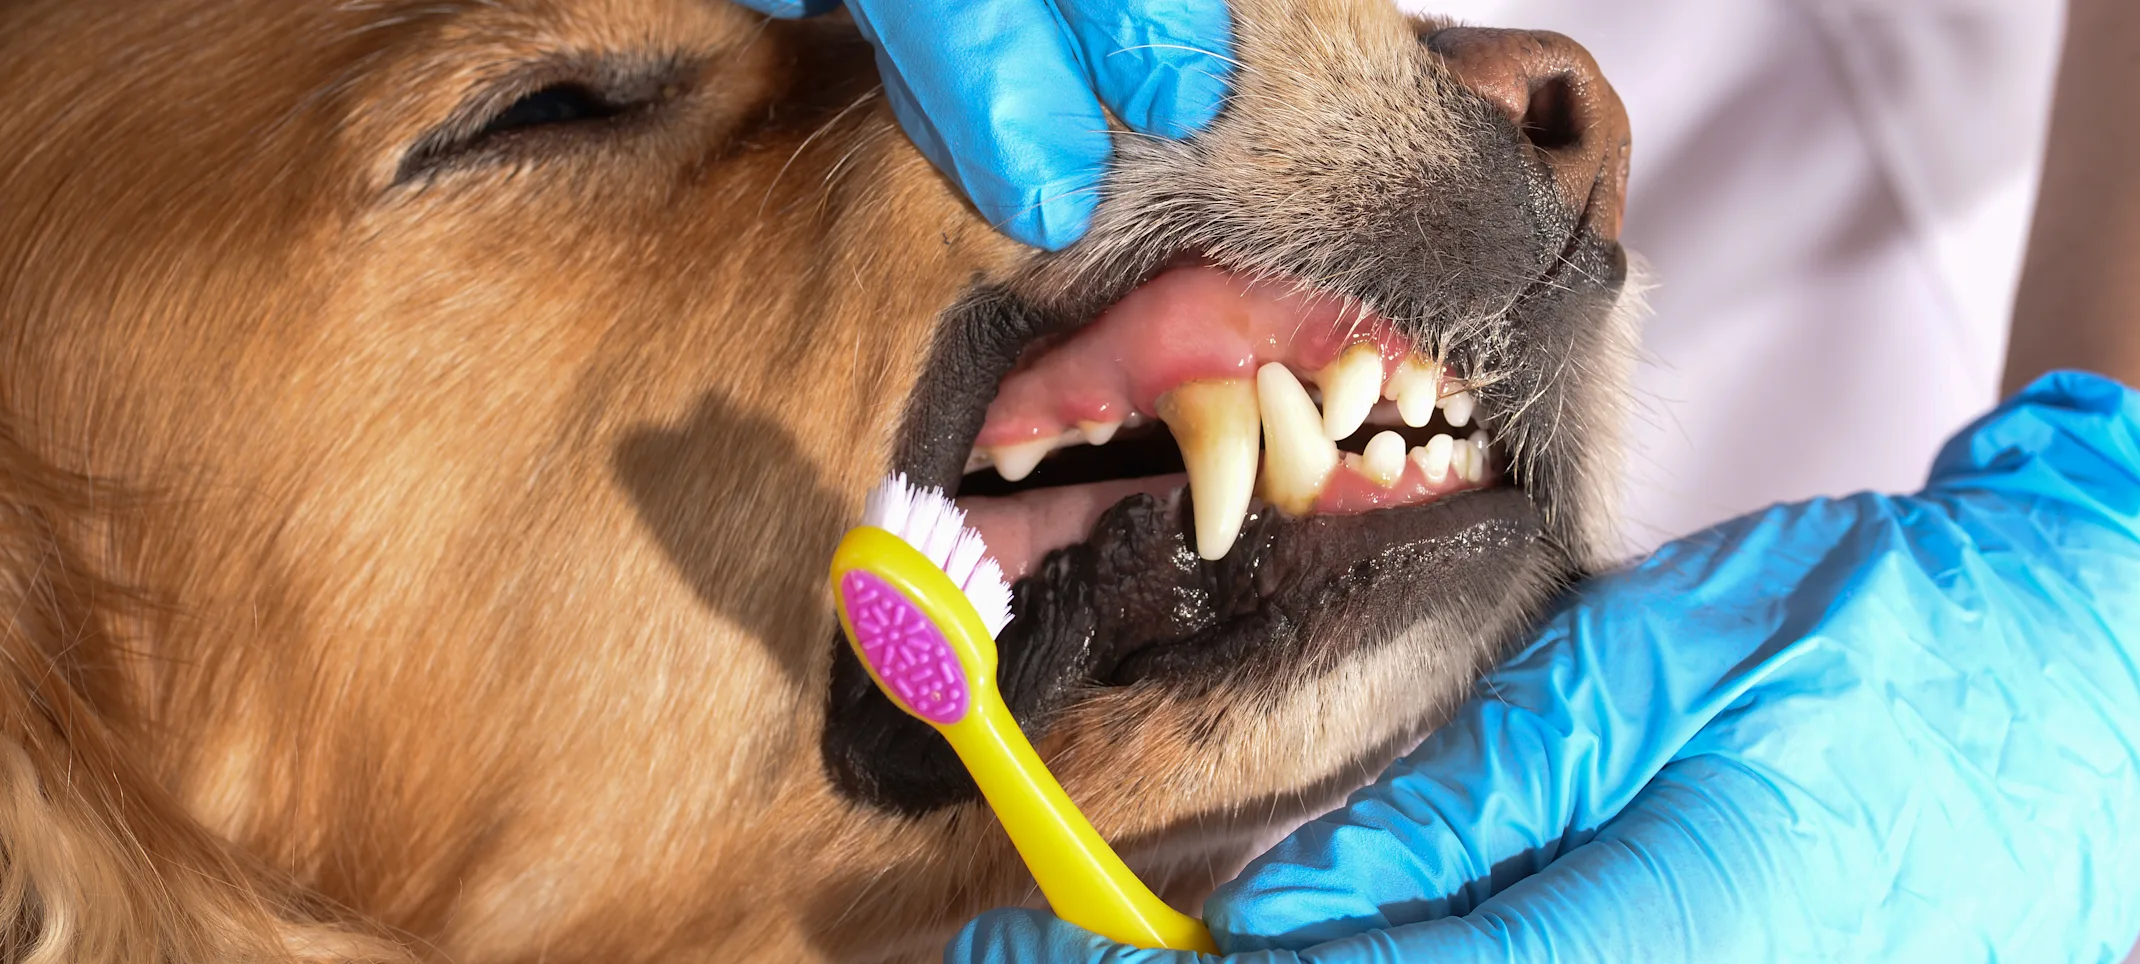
1098, 433
1297, 457
1215, 424
1434, 458
1414, 386
1457, 409
1015, 462
1384, 459
1350, 387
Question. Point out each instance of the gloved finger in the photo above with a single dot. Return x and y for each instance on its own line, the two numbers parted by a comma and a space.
1017, 935
1692, 872
992, 92
1556, 743
790, 9
1160, 65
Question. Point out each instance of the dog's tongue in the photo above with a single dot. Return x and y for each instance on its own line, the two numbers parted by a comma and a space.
1021, 529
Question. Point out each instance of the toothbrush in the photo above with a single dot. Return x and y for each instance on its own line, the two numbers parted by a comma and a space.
922, 603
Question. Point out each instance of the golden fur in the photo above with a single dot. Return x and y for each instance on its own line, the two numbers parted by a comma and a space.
429, 568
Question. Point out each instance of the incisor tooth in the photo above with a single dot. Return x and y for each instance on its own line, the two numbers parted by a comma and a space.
1215, 424
1297, 458
1350, 386
1384, 459
1475, 469
1434, 457
1098, 433
1465, 461
1457, 409
1414, 386
1015, 462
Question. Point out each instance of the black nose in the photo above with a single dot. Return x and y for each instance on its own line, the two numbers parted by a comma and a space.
1550, 87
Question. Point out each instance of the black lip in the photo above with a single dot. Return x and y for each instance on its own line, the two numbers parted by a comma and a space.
1135, 603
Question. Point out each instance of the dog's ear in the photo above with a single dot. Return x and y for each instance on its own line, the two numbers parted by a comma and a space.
97, 863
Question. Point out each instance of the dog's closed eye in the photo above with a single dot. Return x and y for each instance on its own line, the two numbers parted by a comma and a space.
522, 118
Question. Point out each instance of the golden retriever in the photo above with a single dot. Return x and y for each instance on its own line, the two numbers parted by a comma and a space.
424, 425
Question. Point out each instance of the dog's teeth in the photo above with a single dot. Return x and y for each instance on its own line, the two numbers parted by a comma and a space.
1384, 459
977, 460
1098, 433
1434, 458
1297, 457
1215, 424
1457, 409
1015, 462
1475, 468
1350, 386
1467, 461
1414, 386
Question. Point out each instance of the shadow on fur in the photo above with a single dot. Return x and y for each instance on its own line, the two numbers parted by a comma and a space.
727, 477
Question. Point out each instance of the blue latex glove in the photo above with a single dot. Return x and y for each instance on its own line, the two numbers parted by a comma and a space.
1004, 95
1867, 729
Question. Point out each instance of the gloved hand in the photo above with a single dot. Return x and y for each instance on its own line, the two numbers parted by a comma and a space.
1004, 95
1865, 729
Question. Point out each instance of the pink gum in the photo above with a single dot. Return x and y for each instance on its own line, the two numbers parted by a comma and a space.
1187, 324
1349, 492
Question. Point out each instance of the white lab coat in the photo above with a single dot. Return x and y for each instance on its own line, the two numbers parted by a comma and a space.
1833, 197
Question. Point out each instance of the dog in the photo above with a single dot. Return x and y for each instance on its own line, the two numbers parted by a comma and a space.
424, 427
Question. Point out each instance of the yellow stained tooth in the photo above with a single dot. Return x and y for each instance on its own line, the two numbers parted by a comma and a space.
1297, 457
1350, 386
1415, 386
1384, 459
1015, 462
1215, 424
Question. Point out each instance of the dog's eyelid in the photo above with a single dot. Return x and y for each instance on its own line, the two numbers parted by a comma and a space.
577, 92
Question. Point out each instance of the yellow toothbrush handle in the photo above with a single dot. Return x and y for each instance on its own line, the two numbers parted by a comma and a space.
1084, 880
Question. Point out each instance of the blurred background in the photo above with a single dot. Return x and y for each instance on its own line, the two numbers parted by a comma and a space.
1833, 197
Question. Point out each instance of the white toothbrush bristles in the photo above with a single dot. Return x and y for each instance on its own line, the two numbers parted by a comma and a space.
935, 527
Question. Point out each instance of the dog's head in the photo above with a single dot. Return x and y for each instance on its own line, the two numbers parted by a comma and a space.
489, 383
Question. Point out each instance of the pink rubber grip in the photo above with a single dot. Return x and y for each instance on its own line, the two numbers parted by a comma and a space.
904, 648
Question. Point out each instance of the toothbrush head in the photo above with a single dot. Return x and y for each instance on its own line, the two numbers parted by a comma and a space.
922, 604
921, 600
933, 525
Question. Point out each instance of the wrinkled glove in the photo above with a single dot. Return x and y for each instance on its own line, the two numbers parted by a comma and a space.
1004, 96
1865, 729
